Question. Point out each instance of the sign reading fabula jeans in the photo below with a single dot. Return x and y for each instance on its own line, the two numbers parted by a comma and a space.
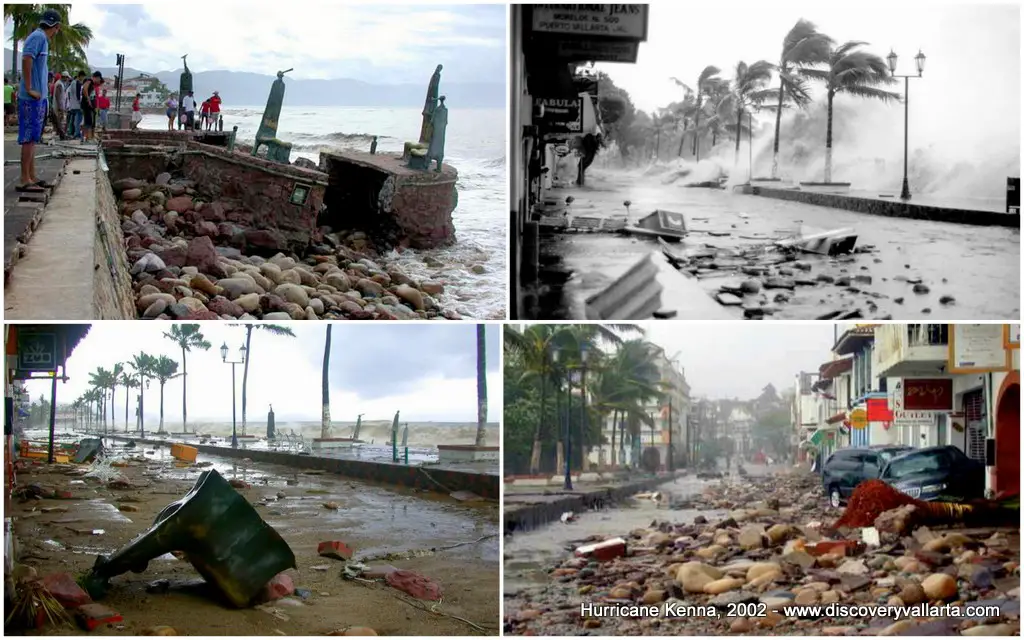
559, 118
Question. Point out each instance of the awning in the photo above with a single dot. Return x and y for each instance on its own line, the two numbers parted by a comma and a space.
854, 339
839, 417
833, 368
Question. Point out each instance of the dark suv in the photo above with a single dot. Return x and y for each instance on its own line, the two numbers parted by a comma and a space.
846, 468
936, 473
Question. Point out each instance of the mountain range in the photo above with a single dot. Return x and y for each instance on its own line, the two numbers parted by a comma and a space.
251, 89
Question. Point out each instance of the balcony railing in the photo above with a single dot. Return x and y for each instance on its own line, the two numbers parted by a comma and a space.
927, 335
896, 345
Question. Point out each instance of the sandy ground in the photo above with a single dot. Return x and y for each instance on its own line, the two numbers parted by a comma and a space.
371, 519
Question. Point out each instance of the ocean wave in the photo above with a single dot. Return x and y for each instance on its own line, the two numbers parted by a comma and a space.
495, 162
339, 136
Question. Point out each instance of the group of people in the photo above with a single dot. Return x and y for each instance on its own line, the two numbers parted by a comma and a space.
209, 111
78, 104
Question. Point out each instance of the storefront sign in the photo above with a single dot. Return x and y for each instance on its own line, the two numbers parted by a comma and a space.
561, 117
37, 351
977, 348
927, 395
623, 21
578, 49
858, 418
913, 418
878, 409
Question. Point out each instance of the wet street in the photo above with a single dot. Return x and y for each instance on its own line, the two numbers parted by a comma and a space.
970, 273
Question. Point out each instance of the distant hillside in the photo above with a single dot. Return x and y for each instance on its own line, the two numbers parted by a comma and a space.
240, 88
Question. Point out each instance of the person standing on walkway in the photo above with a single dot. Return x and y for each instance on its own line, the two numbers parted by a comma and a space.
8, 101
90, 90
58, 104
103, 104
32, 107
136, 111
188, 105
75, 105
214, 110
172, 111
204, 113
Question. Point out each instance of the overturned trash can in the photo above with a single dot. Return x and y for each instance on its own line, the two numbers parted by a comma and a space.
221, 534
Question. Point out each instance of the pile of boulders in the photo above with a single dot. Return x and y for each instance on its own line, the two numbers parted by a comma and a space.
189, 261
775, 548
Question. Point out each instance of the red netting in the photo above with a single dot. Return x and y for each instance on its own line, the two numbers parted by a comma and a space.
871, 499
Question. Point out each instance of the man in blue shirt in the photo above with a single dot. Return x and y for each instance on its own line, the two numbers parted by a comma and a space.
32, 97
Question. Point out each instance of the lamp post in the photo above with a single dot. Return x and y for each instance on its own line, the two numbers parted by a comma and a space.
919, 61
583, 405
241, 360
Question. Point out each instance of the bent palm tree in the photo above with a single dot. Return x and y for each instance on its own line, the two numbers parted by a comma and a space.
101, 380
704, 82
164, 369
142, 365
129, 382
277, 330
747, 92
857, 73
115, 379
187, 337
803, 46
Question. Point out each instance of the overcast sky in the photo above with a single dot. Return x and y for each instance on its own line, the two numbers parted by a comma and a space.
382, 43
968, 47
737, 359
426, 370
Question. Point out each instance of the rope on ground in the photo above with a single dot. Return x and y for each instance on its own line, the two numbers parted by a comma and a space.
418, 553
431, 478
433, 608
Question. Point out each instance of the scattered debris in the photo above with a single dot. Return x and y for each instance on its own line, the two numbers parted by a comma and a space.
335, 549
415, 584
92, 616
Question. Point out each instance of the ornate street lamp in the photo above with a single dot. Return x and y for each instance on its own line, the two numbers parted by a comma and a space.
919, 61
240, 360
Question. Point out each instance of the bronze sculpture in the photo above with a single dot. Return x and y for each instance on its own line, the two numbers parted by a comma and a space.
438, 124
277, 151
430, 104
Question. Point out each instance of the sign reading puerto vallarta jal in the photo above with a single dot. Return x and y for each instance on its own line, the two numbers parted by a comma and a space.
920, 394
624, 21
562, 116
977, 348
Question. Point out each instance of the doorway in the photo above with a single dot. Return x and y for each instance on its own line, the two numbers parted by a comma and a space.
1008, 438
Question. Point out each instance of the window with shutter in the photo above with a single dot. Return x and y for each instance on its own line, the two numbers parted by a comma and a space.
974, 412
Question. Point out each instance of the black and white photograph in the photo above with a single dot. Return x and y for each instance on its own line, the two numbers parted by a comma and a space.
763, 161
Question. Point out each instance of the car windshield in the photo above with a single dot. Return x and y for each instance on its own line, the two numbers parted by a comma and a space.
889, 454
915, 464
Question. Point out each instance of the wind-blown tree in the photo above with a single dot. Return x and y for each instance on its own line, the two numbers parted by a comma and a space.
481, 386
748, 92
102, 380
115, 379
164, 369
857, 73
277, 330
802, 47
129, 382
684, 111
67, 49
142, 367
187, 337
325, 387
704, 83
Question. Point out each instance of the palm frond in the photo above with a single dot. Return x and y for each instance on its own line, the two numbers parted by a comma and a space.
873, 93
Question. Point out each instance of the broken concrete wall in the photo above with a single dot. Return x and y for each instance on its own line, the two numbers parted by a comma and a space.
263, 188
394, 205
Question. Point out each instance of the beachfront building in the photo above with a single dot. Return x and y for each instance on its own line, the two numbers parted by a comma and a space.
153, 92
955, 384
805, 411
549, 102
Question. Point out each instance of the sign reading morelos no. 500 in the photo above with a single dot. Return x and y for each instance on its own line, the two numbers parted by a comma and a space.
627, 21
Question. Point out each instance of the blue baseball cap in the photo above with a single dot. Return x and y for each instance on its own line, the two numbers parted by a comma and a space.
50, 18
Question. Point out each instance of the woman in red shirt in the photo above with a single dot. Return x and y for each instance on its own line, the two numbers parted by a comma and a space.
136, 111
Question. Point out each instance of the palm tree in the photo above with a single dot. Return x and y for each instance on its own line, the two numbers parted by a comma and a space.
746, 93
187, 337
129, 382
164, 369
803, 46
481, 386
703, 85
684, 112
625, 385
142, 365
325, 389
102, 380
277, 330
67, 49
857, 73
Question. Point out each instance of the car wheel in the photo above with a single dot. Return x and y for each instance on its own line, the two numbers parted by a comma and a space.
834, 499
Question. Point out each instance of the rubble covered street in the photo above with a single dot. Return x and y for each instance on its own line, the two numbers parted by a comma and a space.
372, 530
767, 541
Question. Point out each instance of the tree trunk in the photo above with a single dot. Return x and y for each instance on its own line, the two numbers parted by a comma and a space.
657, 145
184, 393
481, 385
161, 407
113, 407
739, 136
14, 52
778, 125
696, 130
142, 405
245, 369
828, 141
535, 451
325, 389
615, 422
127, 396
